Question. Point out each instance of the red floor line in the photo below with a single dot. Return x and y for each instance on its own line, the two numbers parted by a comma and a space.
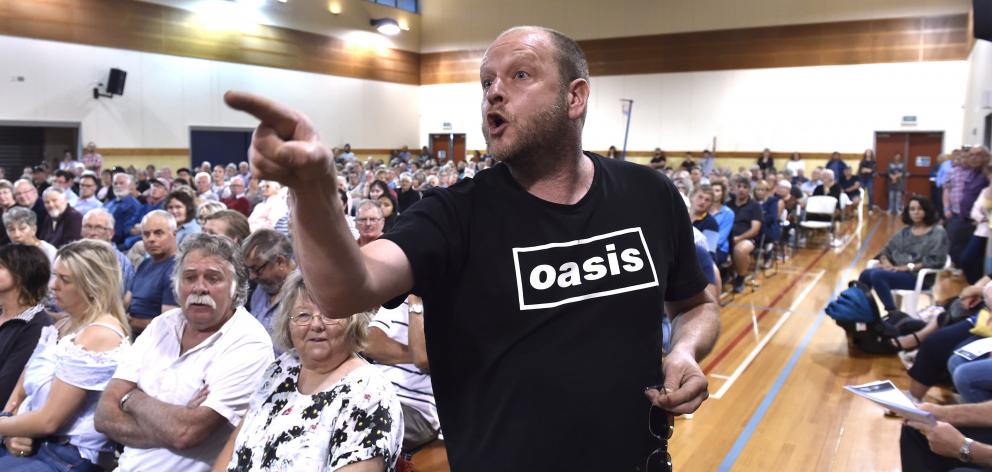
714, 361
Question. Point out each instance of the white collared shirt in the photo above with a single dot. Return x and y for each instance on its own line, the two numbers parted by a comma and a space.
231, 361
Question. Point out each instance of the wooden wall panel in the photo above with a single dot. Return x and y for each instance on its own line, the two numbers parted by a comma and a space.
154, 28
853, 42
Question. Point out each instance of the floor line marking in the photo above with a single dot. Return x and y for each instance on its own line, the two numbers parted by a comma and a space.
764, 341
766, 402
720, 377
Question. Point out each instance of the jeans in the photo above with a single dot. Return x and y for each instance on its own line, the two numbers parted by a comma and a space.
895, 200
48, 457
972, 258
972, 379
868, 183
883, 281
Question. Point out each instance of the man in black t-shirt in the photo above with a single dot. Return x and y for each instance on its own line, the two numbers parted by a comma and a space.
543, 281
747, 227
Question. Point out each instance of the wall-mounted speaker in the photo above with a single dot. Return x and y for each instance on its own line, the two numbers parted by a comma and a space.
115, 85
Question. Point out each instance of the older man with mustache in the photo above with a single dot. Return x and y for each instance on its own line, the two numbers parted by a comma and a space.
175, 400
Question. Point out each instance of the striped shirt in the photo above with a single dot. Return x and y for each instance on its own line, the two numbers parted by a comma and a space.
412, 385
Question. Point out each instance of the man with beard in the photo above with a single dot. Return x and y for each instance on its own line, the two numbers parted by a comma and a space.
540, 276
184, 386
125, 208
269, 260
64, 224
151, 292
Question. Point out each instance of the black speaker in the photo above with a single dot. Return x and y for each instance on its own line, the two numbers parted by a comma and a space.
115, 85
983, 19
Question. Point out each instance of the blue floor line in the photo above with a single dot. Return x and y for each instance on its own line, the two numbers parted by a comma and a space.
759, 414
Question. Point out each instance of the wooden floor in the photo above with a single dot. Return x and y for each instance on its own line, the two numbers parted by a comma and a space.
777, 376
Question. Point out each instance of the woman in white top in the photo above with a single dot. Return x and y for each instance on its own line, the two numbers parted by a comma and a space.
52, 428
320, 406
269, 211
795, 164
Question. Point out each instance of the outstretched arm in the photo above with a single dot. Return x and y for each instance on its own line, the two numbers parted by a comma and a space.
286, 148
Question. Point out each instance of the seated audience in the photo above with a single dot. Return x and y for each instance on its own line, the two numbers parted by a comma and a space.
746, 230
151, 291
228, 223
699, 211
320, 405
269, 211
921, 244
387, 202
235, 198
21, 225
70, 367
175, 399
6, 202
204, 187
206, 209
269, 260
24, 276
124, 207
829, 186
180, 205
961, 440
88, 186
407, 195
369, 222
64, 224
99, 225
809, 186
26, 196
724, 218
772, 207
64, 181
397, 347
851, 186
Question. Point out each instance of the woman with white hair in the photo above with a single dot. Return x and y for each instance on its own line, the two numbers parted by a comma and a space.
22, 228
48, 421
320, 406
269, 211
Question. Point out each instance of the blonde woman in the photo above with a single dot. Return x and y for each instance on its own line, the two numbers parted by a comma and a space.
62, 382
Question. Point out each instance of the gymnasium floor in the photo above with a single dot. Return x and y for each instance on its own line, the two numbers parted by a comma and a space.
777, 375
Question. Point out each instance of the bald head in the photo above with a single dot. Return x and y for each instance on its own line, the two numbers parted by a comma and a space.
567, 54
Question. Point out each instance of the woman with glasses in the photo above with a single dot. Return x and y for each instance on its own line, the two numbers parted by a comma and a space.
320, 406
52, 428
181, 206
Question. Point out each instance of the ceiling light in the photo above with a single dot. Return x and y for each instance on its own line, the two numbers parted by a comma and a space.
386, 26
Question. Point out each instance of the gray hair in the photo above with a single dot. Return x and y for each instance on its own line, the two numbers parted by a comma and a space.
218, 246
356, 331
126, 176
267, 244
23, 181
169, 219
826, 172
371, 203
52, 189
201, 175
20, 215
97, 212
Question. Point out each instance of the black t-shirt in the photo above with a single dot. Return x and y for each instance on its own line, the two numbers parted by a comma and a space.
846, 183
834, 192
543, 321
744, 215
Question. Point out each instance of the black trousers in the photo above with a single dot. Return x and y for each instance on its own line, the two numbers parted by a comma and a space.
916, 456
959, 231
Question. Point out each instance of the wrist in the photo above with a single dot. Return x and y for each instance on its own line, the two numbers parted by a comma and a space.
964, 453
127, 398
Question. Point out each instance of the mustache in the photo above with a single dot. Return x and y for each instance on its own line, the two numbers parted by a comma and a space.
200, 300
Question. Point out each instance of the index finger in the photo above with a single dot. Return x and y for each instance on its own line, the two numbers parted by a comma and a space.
282, 119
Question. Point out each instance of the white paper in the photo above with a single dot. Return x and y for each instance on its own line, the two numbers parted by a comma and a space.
975, 349
886, 394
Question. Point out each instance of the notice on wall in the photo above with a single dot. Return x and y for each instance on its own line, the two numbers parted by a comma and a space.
922, 161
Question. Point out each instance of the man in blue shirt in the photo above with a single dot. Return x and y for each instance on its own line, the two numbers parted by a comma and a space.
125, 208
836, 164
151, 291
269, 260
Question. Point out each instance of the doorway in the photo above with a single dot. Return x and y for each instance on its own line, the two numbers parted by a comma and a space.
447, 147
218, 145
919, 151
987, 139
24, 144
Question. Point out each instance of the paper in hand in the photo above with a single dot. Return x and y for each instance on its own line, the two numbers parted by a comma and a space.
886, 394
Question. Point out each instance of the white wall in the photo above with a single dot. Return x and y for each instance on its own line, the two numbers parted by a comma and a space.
979, 86
165, 95
470, 24
804, 109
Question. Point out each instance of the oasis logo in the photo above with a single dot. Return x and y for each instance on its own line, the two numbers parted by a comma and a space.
554, 274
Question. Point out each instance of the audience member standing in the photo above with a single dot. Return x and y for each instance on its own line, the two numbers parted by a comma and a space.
867, 169
897, 183
765, 161
92, 159
836, 164
795, 165
960, 192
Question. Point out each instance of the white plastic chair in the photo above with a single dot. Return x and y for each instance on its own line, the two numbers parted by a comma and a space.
909, 300
823, 205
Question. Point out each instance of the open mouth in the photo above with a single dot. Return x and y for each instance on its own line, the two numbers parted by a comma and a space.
496, 123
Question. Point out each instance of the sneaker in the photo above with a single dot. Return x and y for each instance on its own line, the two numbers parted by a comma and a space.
738, 284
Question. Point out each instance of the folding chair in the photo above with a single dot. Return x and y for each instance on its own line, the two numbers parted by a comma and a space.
824, 206
909, 300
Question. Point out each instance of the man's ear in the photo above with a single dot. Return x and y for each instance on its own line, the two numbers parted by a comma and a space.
577, 98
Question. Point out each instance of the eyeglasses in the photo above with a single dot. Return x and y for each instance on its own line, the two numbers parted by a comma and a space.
97, 228
259, 269
303, 319
661, 425
367, 221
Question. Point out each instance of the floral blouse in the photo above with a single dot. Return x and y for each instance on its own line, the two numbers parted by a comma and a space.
356, 419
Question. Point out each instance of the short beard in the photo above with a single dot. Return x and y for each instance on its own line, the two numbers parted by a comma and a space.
535, 139
121, 194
